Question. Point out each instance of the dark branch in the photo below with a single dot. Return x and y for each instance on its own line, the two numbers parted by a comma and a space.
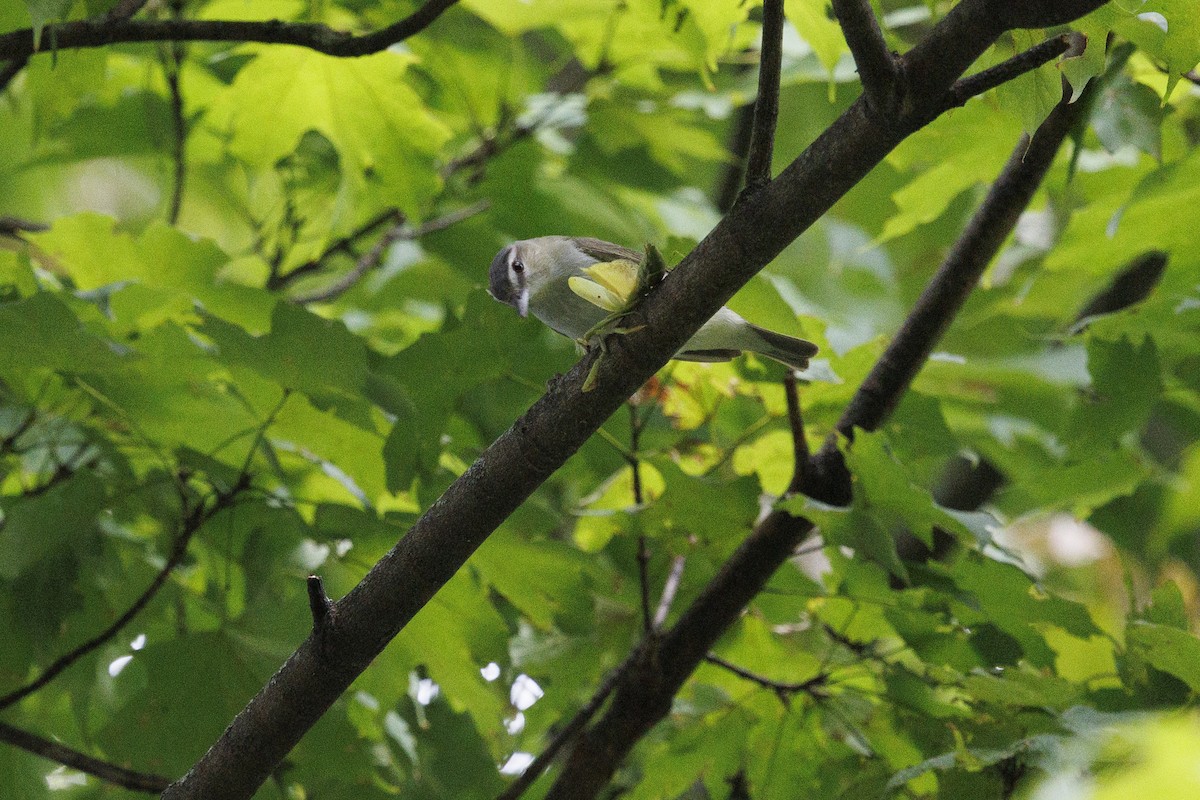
1027, 61
642, 699
173, 66
643, 551
766, 106
11, 70
367, 262
875, 62
189, 527
800, 455
315, 36
14, 226
109, 773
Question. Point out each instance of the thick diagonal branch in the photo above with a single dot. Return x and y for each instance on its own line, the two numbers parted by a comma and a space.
439, 543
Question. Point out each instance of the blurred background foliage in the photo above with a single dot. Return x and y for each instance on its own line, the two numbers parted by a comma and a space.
194, 374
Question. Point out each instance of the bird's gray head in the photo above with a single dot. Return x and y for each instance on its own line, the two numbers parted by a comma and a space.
508, 280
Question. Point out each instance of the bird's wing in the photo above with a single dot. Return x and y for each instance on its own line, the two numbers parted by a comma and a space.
606, 251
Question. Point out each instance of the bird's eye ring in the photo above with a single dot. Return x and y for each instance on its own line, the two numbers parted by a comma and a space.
518, 266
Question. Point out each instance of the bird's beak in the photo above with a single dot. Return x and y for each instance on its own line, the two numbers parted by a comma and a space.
522, 296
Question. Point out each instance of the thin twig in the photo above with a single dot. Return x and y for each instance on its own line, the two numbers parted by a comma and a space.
106, 771
9, 440
643, 551
315, 36
191, 523
318, 603
875, 62
374, 257
569, 731
342, 245
14, 226
367, 262
800, 455
766, 106
784, 691
449, 219
1027, 61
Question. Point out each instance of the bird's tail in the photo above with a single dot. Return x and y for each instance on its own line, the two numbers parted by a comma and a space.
782, 348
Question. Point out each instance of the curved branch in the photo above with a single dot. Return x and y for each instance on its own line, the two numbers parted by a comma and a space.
569, 731
106, 771
783, 690
315, 36
342, 245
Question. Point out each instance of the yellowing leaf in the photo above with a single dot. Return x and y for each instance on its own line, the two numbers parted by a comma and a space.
595, 294
619, 277
612, 285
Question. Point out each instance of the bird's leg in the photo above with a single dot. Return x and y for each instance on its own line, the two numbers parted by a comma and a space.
600, 329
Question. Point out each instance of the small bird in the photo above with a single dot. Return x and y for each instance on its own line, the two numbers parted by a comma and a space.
535, 275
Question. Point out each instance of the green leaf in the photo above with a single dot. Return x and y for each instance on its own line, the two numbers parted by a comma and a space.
59, 519
1126, 382
1167, 607
51, 337
1033, 95
46, 11
1128, 113
1178, 45
364, 106
1169, 649
302, 352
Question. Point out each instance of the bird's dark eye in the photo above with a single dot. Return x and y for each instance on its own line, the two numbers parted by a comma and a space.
518, 266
